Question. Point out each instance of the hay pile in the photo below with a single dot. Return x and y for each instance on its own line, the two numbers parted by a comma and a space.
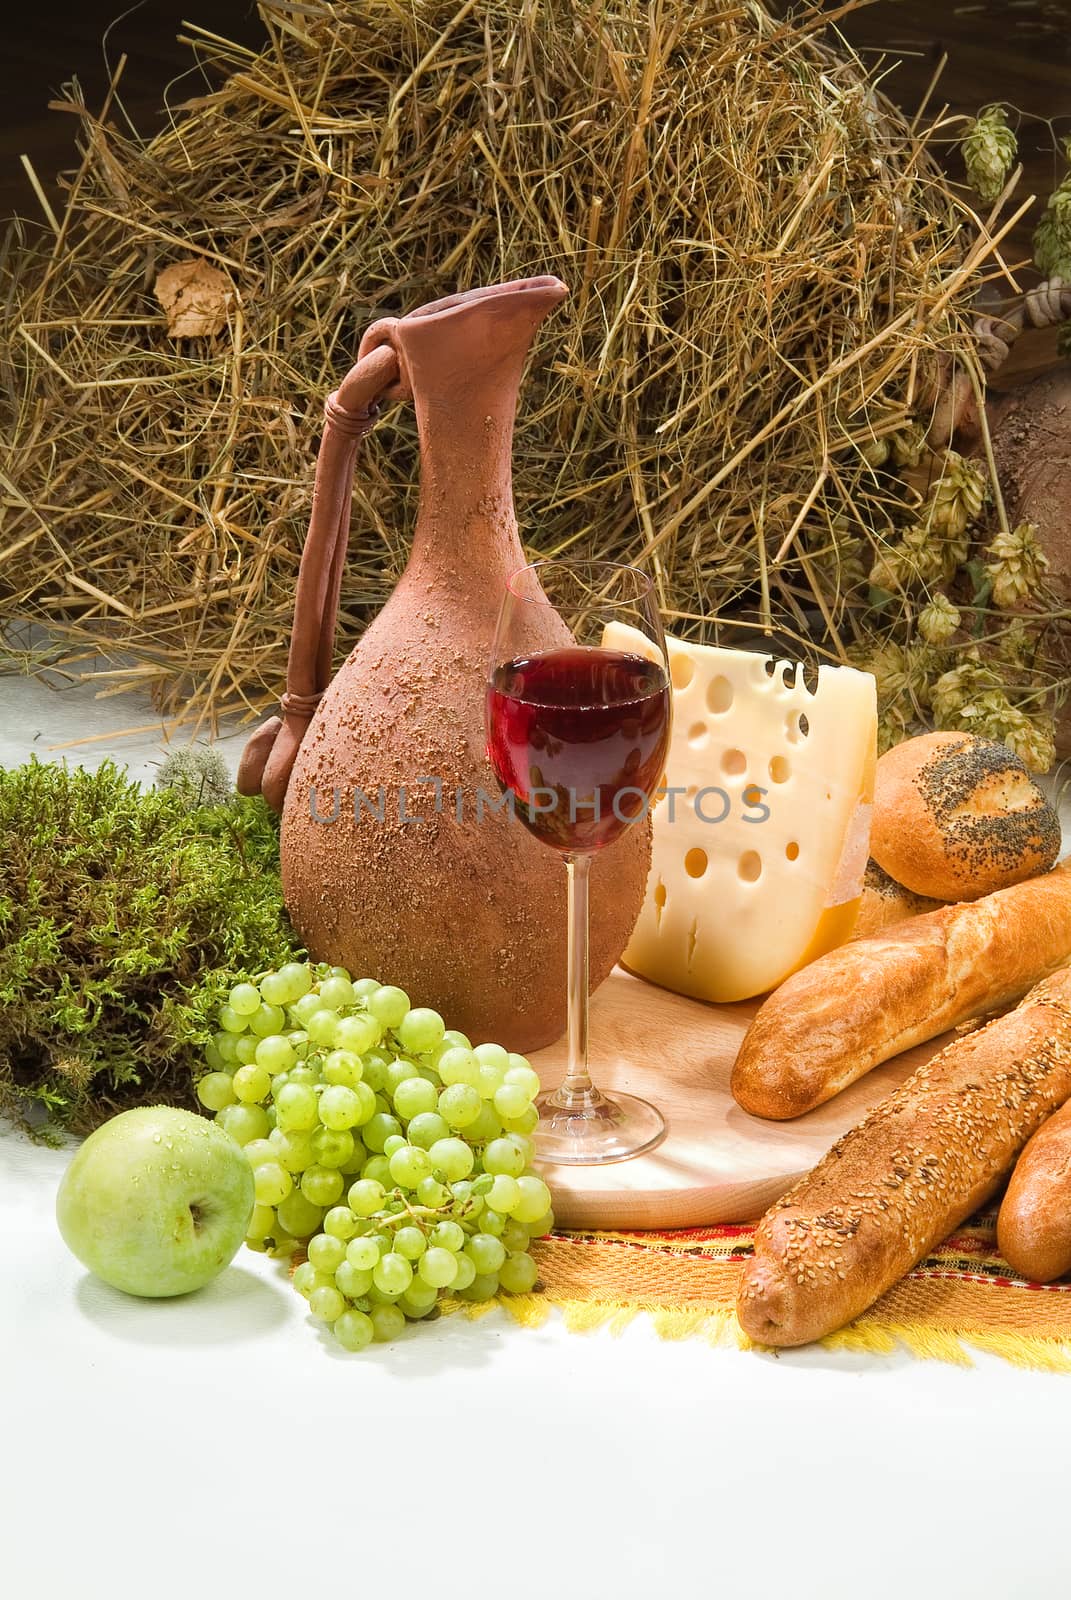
767, 273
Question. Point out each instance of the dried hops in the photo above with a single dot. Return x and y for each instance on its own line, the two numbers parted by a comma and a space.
989, 151
939, 679
1052, 237
939, 619
973, 696
937, 544
957, 497
1018, 565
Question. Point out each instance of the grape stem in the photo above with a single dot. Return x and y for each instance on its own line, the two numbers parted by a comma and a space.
416, 1213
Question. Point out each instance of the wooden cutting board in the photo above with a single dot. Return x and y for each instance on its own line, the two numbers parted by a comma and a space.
716, 1163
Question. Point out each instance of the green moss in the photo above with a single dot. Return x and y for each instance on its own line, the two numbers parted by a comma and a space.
123, 916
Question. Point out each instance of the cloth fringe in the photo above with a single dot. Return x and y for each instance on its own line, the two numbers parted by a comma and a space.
961, 1300
718, 1327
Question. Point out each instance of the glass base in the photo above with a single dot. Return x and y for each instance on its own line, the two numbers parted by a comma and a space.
590, 1129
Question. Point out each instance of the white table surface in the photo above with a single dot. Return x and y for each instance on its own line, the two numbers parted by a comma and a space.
220, 1445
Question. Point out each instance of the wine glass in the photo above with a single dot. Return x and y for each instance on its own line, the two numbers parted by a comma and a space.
578, 719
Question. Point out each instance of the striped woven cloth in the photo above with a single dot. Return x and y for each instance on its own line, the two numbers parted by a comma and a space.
963, 1296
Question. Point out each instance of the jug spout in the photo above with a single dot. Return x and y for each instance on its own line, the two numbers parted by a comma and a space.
545, 291
470, 349
476, 340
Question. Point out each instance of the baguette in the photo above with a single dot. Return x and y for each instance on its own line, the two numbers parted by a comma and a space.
1034, 1225
901, 1181
836, 1019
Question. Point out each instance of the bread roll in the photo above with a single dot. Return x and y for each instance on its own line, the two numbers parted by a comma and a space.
885, 902
896, 1185
1034, 1225
838, 1017
957, 817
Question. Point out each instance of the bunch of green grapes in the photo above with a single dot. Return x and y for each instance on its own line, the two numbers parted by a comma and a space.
381, 1138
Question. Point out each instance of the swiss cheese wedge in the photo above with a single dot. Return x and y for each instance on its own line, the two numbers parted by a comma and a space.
760, 845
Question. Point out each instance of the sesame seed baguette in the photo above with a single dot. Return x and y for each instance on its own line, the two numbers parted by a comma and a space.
835, 1019
1034, 1225
908, 1174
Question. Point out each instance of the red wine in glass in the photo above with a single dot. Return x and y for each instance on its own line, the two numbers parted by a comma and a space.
578, 736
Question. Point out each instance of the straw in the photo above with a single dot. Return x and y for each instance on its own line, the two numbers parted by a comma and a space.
765, 262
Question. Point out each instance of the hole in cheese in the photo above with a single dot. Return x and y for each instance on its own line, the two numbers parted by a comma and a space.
780, 769
682, 671
792, 850
695, 863
719, 695
698, 734
734, 762
750, 866
796, 727
659, 901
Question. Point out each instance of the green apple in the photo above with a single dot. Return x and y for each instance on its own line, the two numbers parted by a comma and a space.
157, 1201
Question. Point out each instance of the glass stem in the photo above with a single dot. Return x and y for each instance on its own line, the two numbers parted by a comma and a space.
576, 1089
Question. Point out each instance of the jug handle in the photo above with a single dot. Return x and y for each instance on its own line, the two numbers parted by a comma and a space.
349, 413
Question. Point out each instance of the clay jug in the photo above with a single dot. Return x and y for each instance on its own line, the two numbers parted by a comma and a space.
393, 865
